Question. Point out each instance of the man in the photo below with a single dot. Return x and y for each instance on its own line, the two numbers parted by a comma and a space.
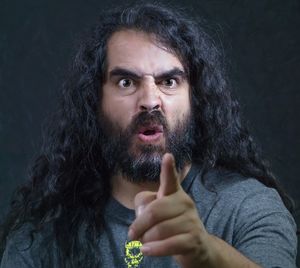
147, 163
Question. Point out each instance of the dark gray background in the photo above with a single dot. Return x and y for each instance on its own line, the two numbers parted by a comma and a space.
260, 39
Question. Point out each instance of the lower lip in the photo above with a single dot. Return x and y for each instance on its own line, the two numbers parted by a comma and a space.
150, 138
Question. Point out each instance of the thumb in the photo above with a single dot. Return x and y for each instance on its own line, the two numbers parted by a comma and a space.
169, 178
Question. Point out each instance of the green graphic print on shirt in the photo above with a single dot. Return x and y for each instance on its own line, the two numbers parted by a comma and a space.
133, 254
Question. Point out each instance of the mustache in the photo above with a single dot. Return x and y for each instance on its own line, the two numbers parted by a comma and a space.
144, 119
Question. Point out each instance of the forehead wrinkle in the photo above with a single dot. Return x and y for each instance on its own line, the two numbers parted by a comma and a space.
119, 71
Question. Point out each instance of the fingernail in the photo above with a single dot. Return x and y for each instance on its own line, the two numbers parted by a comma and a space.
145, 250
130, 234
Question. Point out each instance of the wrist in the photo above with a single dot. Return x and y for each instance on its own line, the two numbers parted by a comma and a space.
208, 257
202, 256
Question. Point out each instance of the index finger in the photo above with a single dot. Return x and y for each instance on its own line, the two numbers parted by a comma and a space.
169, 178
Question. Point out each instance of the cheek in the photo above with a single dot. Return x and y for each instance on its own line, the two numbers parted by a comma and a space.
181, 115
117, 109
177, 110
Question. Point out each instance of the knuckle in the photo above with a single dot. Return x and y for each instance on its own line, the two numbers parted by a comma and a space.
151, 215
191, 218
155, 233
139, 197
189, 203
159, 231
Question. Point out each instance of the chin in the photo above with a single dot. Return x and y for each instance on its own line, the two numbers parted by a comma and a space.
143, 165
149, 149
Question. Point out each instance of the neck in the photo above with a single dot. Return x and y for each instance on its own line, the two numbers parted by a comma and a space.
124, 191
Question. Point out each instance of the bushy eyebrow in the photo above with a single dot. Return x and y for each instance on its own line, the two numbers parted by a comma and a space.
171, 73
134, 75
124, 72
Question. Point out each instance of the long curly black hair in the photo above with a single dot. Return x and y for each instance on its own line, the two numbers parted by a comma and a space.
69, 182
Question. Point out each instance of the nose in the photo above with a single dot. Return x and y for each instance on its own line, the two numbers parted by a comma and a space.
149, 97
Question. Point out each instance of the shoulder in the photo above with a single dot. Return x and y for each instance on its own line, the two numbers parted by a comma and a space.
26, 248
238, 190
252, 218
228, 191
246, 198
17, 249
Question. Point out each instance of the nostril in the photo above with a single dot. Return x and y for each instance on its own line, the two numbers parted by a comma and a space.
149, 108
156, 107
144, 108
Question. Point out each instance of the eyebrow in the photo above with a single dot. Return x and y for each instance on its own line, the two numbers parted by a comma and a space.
160, 76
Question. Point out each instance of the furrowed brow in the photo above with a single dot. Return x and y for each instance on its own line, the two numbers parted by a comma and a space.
171, 73
163, 75
123, 72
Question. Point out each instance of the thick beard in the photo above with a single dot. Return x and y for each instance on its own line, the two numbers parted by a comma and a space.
142, 163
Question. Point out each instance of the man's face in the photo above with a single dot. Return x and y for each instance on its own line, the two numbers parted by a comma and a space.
145, 109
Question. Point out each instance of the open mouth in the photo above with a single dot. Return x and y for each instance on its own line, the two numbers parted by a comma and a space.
150, 133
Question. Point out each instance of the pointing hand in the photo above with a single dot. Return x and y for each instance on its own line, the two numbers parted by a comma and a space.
167, 222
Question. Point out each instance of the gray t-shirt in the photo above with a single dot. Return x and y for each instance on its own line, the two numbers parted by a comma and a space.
242, 211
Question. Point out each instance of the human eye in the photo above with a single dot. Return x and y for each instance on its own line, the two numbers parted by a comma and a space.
169, 83
125, 83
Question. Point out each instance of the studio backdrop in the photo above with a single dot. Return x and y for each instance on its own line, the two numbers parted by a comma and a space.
260, 40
